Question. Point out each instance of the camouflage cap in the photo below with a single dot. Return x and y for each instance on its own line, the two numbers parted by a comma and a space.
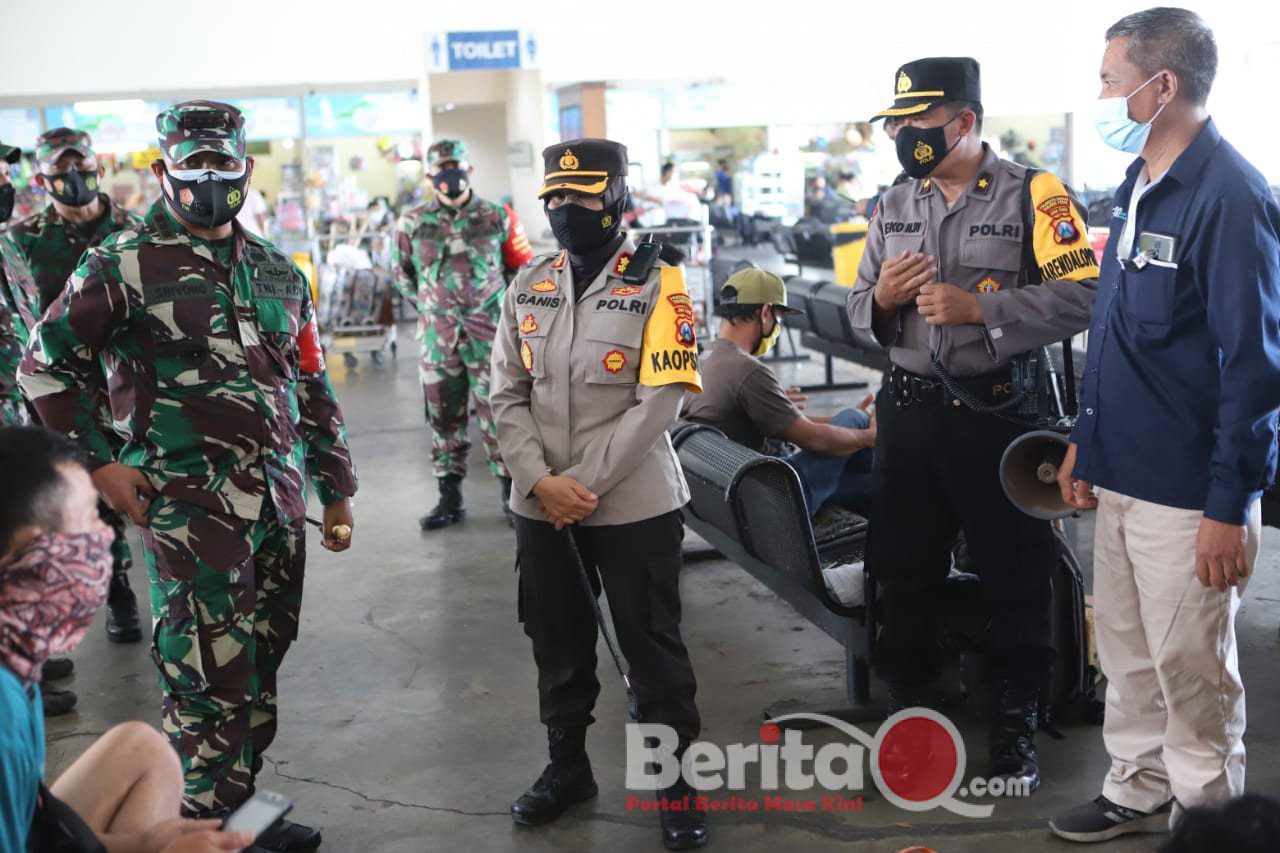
52, 143
193, 126
446, 149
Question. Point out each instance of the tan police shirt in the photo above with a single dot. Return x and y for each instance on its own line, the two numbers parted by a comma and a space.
978, 244
589, 390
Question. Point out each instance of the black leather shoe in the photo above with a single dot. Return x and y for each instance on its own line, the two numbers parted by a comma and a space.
683, 826
1011, 744
565, 781
289, 837
56, 701
123, 625
506, 501
450, 509
55, 668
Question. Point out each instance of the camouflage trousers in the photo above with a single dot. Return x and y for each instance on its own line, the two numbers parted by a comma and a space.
13, 412
455, 375
225, 595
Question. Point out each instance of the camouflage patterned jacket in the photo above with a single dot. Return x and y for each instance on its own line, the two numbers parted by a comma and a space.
213, 369
17, 317
53, 246
450, 262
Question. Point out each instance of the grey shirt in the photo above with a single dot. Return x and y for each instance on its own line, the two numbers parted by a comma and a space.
978, 244
588, 390
740, 396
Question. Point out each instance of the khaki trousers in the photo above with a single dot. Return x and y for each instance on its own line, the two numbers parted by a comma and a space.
1175, 703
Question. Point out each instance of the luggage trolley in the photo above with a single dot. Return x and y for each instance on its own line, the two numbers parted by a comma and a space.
353, 311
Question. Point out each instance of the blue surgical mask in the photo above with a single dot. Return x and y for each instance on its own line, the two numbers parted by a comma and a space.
1111, 117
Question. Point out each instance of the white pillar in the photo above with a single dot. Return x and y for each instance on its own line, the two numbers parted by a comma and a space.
526, 125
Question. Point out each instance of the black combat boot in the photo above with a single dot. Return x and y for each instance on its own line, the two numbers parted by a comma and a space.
565, 781
683, 826
56, 701
506, 501
449, 510
123, 625
1011, 744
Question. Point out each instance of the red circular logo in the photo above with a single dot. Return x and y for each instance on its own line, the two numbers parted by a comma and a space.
770, 734
917, 759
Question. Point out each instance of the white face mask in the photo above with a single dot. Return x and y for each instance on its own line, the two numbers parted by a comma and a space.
202, 175
1111, 117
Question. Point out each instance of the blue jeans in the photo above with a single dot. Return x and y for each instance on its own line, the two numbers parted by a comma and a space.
842, 480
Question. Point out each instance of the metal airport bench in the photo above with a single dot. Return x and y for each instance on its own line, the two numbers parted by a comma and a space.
751, 508
825, 328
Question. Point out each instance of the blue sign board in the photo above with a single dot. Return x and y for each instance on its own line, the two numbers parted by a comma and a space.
476, 51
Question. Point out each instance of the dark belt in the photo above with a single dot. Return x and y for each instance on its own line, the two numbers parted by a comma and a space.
909, 389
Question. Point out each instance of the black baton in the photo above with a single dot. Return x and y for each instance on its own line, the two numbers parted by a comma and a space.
633, 704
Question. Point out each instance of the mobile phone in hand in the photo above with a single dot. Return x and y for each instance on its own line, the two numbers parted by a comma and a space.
259, 813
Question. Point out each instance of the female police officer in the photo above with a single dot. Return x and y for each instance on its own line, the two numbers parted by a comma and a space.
593, 355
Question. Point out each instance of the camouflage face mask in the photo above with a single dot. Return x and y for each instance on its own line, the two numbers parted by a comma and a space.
205, 198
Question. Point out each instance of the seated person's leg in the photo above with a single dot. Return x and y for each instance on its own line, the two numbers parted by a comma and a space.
843, 480
129, 780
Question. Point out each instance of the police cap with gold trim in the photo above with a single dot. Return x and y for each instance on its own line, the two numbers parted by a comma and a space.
923, 83
582, 165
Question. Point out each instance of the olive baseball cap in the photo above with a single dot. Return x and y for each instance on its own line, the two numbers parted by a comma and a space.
755, 287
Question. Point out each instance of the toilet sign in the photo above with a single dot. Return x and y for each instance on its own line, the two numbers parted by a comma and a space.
487, 50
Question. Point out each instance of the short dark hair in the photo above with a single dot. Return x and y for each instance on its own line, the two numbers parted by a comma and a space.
1248, 823
1176, 39
35, 490
668, 167
958, 107
738, 312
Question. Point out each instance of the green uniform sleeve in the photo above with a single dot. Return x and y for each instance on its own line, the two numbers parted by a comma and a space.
320, 418
403, 274
59, 371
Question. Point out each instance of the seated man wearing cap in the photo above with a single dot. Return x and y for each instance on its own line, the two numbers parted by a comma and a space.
742, 397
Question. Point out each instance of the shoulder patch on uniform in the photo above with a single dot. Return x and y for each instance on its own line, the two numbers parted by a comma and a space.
558, 264
544, 286
624, 261
1058, 209
983, 185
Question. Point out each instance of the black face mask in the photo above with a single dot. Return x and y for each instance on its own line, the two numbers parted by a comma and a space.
582, 231
6, 202
921, 149
207, 202
74, 188
452, 182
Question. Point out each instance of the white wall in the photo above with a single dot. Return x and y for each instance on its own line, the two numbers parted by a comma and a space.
803, 61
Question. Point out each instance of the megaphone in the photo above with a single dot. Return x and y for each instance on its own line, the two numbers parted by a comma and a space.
1029, 474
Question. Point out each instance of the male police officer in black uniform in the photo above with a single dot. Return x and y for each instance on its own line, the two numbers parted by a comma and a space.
593, 356
947, 285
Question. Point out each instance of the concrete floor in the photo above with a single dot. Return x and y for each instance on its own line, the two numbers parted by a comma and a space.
408, 705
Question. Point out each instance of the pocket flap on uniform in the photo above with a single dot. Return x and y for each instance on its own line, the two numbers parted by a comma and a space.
991, 253
624, 329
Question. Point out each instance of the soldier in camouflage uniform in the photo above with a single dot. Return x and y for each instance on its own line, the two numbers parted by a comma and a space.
207, 337
452, 258
78, 217
15, 312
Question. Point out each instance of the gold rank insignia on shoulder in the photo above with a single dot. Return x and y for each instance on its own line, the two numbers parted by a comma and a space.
568, 161
925, 186
983, 186
624, 261
558, 263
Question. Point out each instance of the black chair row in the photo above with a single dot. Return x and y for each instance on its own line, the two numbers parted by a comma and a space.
825, 326
751, 508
